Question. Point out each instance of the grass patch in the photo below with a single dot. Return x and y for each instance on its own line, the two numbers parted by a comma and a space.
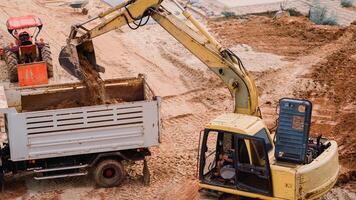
322, 16
228, 14
348, 3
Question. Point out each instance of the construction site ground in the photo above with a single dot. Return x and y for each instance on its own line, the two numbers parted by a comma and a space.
288, 57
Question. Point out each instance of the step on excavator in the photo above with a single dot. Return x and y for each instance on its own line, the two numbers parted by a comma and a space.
28, 60
237, 153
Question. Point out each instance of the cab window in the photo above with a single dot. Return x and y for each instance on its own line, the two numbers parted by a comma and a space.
218, 159
263, 135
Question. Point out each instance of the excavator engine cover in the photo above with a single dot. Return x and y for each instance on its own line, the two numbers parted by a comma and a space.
70, 55
292, 133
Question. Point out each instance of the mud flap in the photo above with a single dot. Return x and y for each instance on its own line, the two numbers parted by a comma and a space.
146, 173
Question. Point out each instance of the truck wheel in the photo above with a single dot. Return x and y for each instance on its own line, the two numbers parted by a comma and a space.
11, 63
109, 173
47, 57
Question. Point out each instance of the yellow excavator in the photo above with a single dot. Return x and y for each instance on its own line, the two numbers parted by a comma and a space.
237, 153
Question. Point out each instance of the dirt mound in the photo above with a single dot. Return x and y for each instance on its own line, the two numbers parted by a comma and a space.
337, 73
336, 79
287, 36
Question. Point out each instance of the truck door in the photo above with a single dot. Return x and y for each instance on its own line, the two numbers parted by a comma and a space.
252, 166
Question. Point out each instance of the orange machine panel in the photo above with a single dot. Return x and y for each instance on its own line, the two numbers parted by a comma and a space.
32, 74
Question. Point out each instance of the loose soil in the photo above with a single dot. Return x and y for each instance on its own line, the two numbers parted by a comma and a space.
336, 77
94, 84
287, 36
95, 87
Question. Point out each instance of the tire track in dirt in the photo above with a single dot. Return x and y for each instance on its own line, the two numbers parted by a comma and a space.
191, 78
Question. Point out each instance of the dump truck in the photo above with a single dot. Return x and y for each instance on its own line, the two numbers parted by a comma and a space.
53, 134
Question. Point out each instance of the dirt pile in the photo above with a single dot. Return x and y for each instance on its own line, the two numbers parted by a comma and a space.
286, 36
337, 74
336, 91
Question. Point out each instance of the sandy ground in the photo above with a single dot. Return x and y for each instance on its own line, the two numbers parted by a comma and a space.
192, 95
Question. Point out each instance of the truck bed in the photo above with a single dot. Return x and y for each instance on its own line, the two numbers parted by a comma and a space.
36, 132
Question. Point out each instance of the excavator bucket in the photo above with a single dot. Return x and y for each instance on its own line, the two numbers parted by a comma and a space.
69, 58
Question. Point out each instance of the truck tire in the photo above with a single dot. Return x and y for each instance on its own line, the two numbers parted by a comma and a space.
109, 173
47, 57
11, 63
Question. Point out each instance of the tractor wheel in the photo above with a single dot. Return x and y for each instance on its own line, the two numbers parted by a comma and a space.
109, 173
47, 57
11, 63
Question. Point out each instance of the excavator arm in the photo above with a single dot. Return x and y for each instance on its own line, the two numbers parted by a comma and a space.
193, 36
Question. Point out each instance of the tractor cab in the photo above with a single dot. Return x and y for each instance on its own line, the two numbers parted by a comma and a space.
237, 155
28, 60
26, 47
19, 27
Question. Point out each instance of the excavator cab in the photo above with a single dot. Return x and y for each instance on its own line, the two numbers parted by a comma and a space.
236, 160
238, 156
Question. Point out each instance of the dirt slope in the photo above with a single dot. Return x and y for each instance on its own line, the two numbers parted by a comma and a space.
335, 77
296, 36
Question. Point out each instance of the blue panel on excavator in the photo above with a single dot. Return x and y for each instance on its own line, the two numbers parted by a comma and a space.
293, 130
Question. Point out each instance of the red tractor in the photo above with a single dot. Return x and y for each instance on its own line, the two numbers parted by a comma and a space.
27, 57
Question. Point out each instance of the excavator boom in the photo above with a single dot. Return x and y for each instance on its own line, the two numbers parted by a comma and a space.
190, 33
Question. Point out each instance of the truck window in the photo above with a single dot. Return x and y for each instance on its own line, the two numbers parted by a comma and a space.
263, 134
